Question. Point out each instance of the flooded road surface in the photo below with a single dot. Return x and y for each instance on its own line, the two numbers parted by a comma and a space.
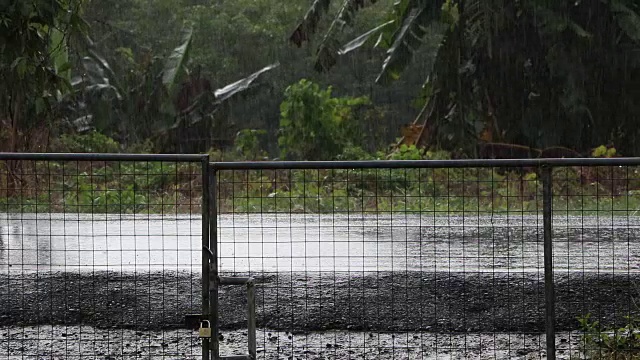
294, 242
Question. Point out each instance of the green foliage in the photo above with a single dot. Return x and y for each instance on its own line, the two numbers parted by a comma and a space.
121, 94
407, 38
34, 66
177, 61
144, 147
405, 152
92, 142
314, 125
354, 153
107, 187
549, 91
135, 76
154, 187
134, 100
248, 144
139, 73
618, 343
604, 151
84, 197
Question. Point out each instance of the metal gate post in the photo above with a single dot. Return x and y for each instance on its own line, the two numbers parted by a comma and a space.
213, 263
549, 287
206, 211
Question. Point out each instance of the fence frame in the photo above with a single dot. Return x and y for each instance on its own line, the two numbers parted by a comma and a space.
545, 166
210, 279
203, 159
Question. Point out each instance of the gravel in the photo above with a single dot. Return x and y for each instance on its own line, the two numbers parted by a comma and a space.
327, 310
56, 342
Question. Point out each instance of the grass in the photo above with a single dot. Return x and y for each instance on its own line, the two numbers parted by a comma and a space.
162, 187
100, 187
451, 191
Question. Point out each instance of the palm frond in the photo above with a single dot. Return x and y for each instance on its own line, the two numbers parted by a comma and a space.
177, 61
309, 23
478, 30
551, 22
363, 39
328, 50
408, 38
627, 18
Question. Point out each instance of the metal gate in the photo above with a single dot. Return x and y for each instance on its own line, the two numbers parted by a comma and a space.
426, 259
105, 255
101, 255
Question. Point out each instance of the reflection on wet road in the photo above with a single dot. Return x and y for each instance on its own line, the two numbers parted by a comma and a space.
293, 242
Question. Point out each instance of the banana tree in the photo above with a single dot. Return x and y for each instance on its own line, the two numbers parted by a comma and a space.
531, 72
156, 99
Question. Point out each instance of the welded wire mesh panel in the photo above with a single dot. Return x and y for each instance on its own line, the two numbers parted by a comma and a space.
596, 234
429, 263
99, 259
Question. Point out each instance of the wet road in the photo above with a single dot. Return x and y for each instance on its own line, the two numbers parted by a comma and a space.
293, 242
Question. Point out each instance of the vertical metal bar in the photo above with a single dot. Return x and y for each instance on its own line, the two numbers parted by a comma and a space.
549, 287
205, 255
251, 319
213, 262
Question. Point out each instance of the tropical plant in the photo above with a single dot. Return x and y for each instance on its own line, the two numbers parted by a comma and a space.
232, 39
34, 62
152, 98
314, 125
529, 72
248, 144
34, 68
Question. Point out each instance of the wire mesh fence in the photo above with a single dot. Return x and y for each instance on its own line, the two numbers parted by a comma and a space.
431, 261
100, 256
596, 257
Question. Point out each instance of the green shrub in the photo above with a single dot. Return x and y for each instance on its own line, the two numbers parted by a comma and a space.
617, 343
405, 152
145, 147
355, 153
314, 125
92, 142
247, 144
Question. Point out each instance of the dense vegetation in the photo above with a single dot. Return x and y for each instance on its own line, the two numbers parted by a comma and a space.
463, 72
445, 77
145, 74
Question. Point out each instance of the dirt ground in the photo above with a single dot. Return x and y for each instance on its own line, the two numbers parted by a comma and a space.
382, 315
75, 342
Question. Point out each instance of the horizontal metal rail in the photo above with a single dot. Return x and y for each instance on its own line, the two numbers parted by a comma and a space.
366, 164
102, 157
237, 357
236, 280
408, 164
